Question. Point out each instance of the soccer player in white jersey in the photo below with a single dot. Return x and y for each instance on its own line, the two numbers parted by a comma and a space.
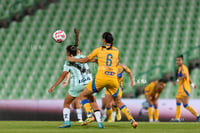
76, 102
80, 76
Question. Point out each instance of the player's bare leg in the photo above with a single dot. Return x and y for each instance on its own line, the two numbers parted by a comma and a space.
66, 111
185, 100
103, 108
114, 110
87, 98
156, 111
125, 110
150, 108
109, 100
178, 110
76, 105
96, 110
117, 110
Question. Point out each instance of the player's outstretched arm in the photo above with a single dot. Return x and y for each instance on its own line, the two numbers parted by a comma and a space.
81, 60
93, 60
60, 79
76, 36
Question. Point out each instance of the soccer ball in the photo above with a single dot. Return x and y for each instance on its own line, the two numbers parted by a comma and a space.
59, 36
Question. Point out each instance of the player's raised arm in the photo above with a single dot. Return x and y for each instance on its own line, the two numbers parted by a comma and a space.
81, 60
60, 79
76, 36
84, 60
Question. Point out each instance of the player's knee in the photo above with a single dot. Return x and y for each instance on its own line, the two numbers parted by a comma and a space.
66, 105
73, 106
155, 105
178, 100
108, 105
185, 105
117, 100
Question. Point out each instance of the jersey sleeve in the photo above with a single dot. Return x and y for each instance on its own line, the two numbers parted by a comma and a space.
66, 67
93, 54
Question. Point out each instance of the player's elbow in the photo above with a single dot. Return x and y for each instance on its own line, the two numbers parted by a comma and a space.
64, 73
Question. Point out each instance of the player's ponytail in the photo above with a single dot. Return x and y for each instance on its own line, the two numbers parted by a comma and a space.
76, 37
108, 38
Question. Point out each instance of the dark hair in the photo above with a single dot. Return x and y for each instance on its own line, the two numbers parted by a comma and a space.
109, 38
162, 80
72, 49
180, 56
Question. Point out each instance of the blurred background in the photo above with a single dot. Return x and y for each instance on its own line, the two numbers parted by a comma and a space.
148, 33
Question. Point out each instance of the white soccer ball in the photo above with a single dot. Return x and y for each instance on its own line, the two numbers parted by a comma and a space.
59, 36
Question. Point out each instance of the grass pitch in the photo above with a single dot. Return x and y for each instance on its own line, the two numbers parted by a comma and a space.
117, 127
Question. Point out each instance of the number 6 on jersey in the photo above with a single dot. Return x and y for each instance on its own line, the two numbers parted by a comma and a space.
109, 60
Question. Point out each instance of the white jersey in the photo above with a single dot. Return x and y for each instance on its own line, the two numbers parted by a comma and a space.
79, 72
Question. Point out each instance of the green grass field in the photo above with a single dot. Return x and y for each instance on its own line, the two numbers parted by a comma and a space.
117, 127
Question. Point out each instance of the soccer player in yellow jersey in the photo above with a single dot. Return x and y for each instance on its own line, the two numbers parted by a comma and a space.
183, 92
115, 111
106, 77
152, 92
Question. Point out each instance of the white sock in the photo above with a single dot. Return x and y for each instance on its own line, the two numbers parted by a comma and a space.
113, 115
104, 113
150, 120
97, 116
66, 114
79, 114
